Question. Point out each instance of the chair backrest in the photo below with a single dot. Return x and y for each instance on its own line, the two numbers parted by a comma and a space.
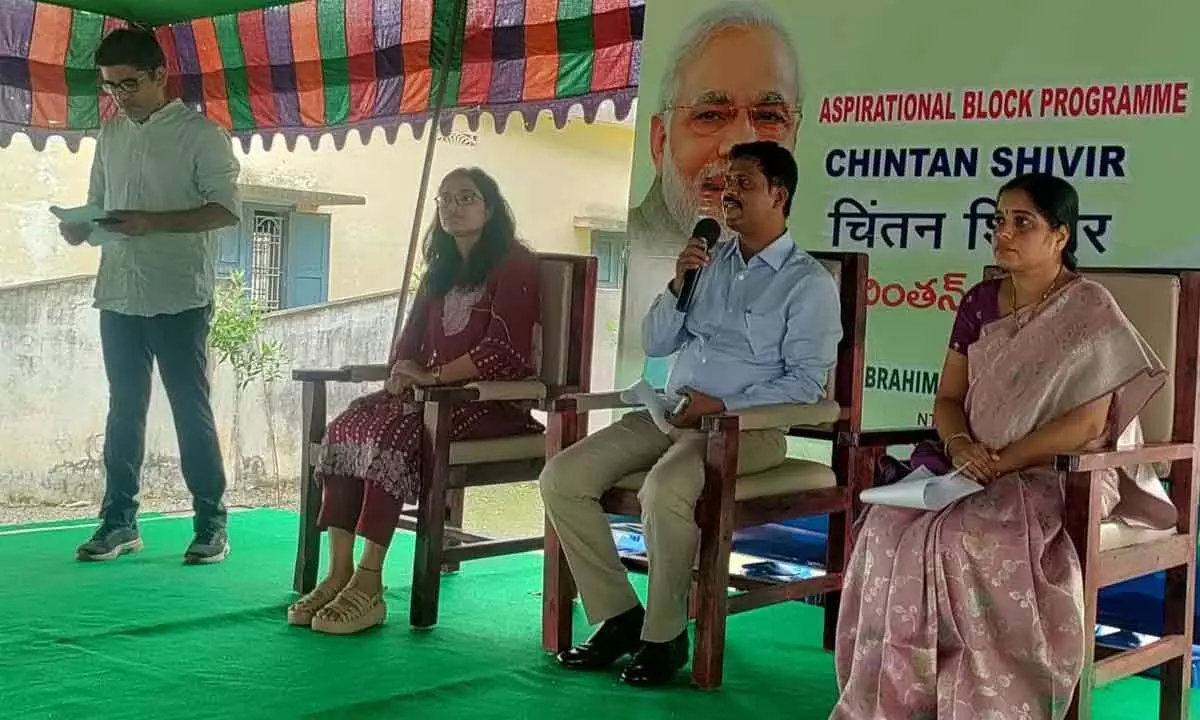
568, 289
1154, 302
850, 272
1151, 302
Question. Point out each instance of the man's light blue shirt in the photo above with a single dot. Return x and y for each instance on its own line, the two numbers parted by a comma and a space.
763, 332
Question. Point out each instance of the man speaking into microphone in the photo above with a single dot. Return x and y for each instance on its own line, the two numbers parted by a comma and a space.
755, 321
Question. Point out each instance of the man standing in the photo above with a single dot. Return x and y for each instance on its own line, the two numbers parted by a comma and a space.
167, 178
734, 77
763, 329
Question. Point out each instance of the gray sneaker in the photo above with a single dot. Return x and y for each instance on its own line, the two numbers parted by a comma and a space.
208, 547
109, 543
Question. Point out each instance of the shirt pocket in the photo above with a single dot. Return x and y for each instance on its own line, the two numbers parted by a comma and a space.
764, 334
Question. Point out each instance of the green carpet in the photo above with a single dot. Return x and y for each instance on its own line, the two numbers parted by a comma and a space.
149, 637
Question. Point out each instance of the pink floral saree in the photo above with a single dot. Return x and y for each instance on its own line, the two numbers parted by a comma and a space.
975, 612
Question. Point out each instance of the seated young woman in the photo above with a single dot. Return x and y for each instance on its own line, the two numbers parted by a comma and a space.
975, 611
475, 317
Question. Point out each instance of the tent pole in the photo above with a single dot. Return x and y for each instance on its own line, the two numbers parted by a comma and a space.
457, 33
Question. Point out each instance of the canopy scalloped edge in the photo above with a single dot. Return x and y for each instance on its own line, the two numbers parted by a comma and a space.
560, 111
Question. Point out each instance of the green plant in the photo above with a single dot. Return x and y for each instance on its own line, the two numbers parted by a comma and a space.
237, 335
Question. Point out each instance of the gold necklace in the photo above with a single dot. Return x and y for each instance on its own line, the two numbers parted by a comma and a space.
1012, 287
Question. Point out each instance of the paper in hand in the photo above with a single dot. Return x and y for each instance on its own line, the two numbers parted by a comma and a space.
642, 394
922, 490
87, 215
78, 215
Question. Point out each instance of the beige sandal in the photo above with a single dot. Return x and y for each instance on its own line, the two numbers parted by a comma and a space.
352, 611
303, 610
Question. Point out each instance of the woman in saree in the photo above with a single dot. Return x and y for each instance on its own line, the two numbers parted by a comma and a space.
475, 317
975, 611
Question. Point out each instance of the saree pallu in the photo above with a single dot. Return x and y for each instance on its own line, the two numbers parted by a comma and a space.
975, 612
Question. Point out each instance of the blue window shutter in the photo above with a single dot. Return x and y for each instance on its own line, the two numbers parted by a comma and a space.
603, 250
608, 248
230, 257
307, 276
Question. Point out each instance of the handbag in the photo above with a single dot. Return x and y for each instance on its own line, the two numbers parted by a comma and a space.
929, 454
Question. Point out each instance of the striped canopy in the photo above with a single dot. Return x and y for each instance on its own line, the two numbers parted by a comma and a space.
161, 12
321, 67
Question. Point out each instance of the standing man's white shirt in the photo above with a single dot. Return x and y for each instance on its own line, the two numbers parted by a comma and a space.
176, 160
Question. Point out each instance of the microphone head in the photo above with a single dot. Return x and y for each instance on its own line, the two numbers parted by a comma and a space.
708, 230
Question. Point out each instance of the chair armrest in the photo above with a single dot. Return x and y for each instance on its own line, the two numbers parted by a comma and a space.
345, 374
591, 402
886, 437
512, 390
826, 433
367, 373
321, 375
767, 417
1150, 453
483, 391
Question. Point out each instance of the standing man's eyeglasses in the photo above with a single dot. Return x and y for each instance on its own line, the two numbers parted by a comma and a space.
128, 86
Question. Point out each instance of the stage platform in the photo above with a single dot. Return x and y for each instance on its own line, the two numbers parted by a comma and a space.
148, 637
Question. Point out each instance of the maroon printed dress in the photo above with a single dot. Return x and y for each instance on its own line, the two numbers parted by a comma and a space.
379, 438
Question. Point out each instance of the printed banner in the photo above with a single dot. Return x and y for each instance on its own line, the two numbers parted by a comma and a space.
906, 118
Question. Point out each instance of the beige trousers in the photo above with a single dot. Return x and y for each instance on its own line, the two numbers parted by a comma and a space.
574, 480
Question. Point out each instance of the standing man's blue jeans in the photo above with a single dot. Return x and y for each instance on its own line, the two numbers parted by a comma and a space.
179, 345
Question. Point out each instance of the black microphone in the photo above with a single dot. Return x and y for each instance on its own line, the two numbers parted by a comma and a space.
709, 231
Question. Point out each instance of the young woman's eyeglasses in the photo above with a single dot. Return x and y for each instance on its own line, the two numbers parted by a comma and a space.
463, 198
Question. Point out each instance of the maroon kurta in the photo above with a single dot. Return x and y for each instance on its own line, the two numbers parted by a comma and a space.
379, 438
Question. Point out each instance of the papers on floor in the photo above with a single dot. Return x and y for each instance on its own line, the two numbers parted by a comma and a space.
642, 394
922, 490
87, 215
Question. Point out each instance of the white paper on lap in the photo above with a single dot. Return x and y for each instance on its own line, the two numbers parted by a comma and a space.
922, 490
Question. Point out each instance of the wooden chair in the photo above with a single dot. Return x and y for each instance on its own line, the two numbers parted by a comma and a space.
568, 292
796, 489
1164, 305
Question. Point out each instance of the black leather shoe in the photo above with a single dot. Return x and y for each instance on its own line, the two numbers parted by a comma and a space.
656, 663
616, 637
